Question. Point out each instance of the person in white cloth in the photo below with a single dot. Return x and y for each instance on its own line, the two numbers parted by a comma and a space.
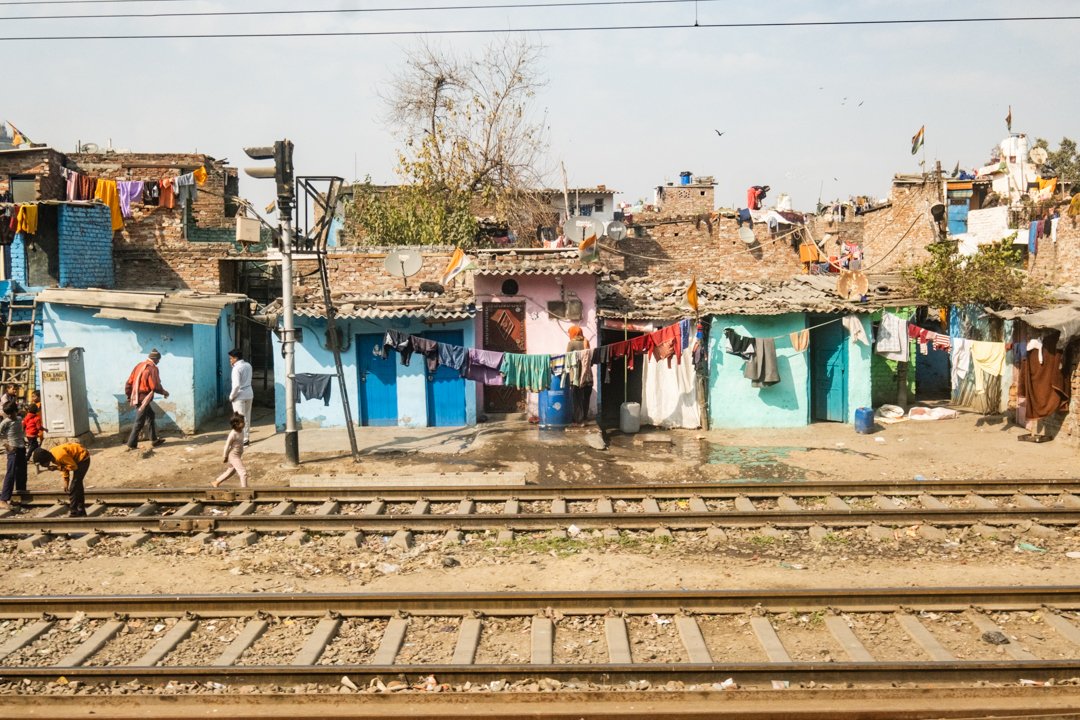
241, 396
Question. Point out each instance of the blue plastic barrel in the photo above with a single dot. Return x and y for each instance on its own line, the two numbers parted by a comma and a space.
684, 177
555, 405
864, 420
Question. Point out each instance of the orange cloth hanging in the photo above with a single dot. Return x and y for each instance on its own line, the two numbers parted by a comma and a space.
808, 253
200, 176
107, 193
26, 220
800, 340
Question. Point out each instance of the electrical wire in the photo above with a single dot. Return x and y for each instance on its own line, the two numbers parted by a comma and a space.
542, 29
344, 11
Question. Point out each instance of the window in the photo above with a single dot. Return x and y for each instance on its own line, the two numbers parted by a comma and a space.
23, 189
598, 205
510, 287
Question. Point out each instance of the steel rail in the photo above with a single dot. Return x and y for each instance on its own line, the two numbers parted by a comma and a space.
517, 603
613, 606
381, 524
714, 490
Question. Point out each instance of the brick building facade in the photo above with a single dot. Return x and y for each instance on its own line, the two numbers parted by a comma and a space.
1058, 263
897, 235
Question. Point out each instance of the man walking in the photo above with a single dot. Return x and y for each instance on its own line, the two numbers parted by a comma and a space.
241, 395
142, 384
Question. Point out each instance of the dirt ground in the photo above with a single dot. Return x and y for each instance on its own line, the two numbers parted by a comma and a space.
967, 447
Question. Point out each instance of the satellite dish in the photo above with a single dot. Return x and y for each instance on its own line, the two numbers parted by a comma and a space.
746, 234
90, 148
578, 228
403, 263
1038, 155
616, 230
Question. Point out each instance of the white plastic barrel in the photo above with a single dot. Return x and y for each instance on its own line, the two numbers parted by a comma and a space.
630, 417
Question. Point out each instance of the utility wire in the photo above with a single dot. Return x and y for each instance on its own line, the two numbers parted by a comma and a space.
553, 29
339, 11
81, 2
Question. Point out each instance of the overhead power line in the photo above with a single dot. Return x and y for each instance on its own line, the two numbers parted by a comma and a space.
81, 2
343, 11
552, 29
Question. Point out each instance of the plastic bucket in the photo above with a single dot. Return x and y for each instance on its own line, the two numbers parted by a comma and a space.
630, 417
555, 405
864, 420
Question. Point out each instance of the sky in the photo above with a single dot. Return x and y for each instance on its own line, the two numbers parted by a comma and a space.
815, 112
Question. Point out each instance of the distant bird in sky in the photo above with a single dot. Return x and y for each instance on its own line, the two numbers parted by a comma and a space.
718, 133
861, 102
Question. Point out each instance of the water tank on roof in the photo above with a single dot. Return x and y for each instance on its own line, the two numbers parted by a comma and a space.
685, 177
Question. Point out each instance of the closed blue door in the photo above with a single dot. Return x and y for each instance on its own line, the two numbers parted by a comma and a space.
378, 382
445, 387
828, 372
958, 216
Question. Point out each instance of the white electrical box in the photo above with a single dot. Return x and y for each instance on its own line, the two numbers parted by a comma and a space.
63, 392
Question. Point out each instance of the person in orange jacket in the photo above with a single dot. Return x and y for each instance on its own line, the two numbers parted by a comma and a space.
73, 461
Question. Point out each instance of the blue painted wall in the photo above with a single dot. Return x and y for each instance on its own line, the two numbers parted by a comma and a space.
312, 357
114, 347
212, 380
16, 256
85, 243
735, 403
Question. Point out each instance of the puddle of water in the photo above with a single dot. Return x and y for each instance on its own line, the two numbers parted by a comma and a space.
755, 463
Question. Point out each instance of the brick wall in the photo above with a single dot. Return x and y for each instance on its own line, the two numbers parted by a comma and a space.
1058, 263
44, 164
363, 273
683, 248
17, 269
898, 235
85, 243
682, 200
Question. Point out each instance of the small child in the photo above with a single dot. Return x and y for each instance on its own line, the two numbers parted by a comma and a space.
11, 394
234, 453
11, 432
73, 462
35, 433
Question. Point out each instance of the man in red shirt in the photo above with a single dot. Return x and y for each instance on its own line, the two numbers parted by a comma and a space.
142, 384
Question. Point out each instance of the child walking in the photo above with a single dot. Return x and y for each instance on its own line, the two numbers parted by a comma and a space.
35, 433
234, 453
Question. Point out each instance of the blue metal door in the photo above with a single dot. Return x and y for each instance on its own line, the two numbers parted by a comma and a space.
446, 387
958, 215
828, 372
378, 382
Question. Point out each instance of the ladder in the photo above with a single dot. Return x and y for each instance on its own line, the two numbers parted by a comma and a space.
17, 349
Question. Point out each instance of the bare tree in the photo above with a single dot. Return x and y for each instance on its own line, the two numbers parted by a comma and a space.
467, 125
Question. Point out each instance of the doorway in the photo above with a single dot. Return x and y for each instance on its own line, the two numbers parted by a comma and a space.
445, 386
828, 371
377, 381
504, 331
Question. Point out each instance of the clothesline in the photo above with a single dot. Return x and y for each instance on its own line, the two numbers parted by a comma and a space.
118, 195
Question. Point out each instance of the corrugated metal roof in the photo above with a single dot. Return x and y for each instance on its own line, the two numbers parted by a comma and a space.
455, 303
534, 261
160, 308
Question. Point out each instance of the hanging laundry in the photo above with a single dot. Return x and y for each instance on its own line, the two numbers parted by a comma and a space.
397, 341
761, 369
453, 357
200, 176
669, 395
739, 345
483, 366
557, 365
185, 189
960, 361
168, 194
579, 368
1074, 206
129, 191
685, 329
855, 329
312, 386
27, 220
107, 193
1035, 344
532, 372
1042, 382
664, 343
429, 349
87, 187
892, 340
1033, 237
800, 340
71, 184
988, 359
1053, 228
151, 193
744, 217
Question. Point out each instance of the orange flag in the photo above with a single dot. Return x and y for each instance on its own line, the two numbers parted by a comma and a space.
691, 296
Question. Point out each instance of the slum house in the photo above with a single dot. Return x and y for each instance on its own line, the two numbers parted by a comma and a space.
85, 235
371, 301
118, 329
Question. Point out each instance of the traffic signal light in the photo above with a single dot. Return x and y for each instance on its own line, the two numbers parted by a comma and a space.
282, 172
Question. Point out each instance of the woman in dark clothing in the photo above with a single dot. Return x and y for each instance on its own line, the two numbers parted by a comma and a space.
580, 394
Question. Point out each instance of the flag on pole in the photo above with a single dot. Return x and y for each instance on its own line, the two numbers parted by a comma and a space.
1008, 119
691, 296
589, 249
270, 208
917, 141
459, 263
18, 138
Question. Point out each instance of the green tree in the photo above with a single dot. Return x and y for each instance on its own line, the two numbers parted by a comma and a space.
1065, 160
409, 215
992, 276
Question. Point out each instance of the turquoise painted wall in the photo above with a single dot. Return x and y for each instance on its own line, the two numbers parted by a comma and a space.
312, 357
733, 401
212, 379
860, 362
113, 348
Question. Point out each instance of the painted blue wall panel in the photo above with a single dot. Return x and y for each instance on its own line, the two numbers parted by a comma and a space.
377, 382
860, 378
85, 244
828, 371
733, 402
311, 356
446, 388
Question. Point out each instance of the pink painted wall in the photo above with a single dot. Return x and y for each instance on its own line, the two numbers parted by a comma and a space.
543, 334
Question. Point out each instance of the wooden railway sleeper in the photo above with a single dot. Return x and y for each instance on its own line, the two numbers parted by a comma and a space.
186, 524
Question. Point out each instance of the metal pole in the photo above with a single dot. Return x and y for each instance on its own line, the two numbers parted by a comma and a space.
288, 338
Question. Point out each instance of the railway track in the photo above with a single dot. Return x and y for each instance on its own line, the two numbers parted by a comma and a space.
141, 513
598, 640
